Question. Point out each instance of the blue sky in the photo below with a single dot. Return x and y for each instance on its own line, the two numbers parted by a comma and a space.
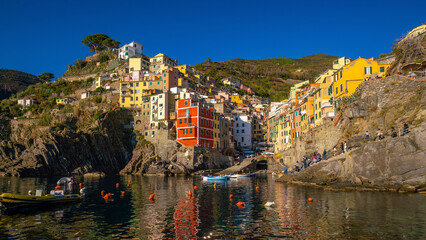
45, 36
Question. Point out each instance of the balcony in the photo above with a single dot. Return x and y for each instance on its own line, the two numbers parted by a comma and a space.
181, 115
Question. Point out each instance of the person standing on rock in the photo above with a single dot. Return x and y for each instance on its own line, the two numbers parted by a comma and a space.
345, 146
324, 155
367, 135
342, 148
335, 150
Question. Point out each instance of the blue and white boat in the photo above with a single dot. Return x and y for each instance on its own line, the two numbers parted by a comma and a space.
215, 178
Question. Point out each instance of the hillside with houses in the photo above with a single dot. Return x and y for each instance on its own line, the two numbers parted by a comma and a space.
155, 115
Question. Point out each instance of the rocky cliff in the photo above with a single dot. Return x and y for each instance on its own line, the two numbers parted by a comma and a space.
393, 163
106, 146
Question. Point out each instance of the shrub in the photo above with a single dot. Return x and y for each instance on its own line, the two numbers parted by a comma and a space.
45, 120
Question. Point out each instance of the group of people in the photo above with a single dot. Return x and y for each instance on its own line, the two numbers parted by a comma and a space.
307, 161
381, 136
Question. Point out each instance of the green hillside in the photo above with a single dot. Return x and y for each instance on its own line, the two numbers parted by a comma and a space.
268, 76
12, 81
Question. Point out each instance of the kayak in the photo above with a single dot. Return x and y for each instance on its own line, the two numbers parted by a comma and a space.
19, 199
239, 175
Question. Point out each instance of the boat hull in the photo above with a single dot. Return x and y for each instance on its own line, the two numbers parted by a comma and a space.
8, 199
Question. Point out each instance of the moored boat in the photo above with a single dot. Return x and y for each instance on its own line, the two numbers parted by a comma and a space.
11, 199
215, 178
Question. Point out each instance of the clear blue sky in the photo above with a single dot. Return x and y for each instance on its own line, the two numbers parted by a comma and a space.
45, 36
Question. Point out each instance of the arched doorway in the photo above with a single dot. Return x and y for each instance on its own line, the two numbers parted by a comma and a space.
262, 164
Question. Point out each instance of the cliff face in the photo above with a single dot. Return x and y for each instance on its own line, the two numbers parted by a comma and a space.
393, 163
106, 147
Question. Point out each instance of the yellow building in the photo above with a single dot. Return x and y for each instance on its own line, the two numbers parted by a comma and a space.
322, 105
236, 98
416, 32
131, 93
350, 76
306, 112
186, 70
138, 64
216, 130
296, 89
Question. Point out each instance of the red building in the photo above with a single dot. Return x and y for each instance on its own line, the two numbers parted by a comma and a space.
194, 123
170, 78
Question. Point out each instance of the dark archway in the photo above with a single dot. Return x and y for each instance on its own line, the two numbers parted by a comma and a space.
262, 165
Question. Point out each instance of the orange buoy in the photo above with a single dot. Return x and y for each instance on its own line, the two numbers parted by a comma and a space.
58, 188
117, 185
310, 199
195, 187
128, 185
102, 192
151, 197
129, 182
240, 204
189, 193
107, 196
181, 183
81, 185
257, 188
122, 193
231, 197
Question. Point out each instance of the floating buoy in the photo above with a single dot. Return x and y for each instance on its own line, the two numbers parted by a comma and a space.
151, 197
122, 193
107, 196
214, 185
310, 199
102, 192
58, 188
128, 182
269, 204
81, 185
117, 185
257, 188
195, 187
231, 197
240, 204
189, 193
128, 185
181, 183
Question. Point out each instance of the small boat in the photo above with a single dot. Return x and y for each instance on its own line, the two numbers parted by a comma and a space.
215, 178
10, 199
239, 175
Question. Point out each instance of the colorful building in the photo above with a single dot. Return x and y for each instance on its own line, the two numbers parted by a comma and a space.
194, 123
161, 62
217, 135
350, 76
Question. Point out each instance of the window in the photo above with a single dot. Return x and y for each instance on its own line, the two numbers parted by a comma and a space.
242, 131
180, 121
137, 98
341, 73
131, 98
186, 102
190, 130
212, 123
185, 121
144, 83
337, 90
319, 104
367, 70
242, 139
319, 114
158, 83
123, 100
341, 87
202, 131
238, 131
238, 125
382, 69
150, 83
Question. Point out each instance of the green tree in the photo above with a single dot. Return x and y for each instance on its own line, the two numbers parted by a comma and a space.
46, 76
110, 43
94, 42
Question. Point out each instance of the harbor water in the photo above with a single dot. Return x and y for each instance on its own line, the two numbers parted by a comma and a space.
210, 213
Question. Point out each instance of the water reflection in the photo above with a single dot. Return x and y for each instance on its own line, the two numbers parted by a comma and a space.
211, 214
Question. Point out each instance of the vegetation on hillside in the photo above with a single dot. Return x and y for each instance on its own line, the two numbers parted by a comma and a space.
12, 81
268, 76
410, 54
99, 42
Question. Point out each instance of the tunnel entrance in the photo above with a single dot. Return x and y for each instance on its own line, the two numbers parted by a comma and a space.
262, 165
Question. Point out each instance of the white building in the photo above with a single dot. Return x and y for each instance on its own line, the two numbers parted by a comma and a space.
25, 102
242, 131
161, 106
129, 50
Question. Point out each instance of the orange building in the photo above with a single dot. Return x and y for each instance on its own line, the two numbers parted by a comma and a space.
194, 123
